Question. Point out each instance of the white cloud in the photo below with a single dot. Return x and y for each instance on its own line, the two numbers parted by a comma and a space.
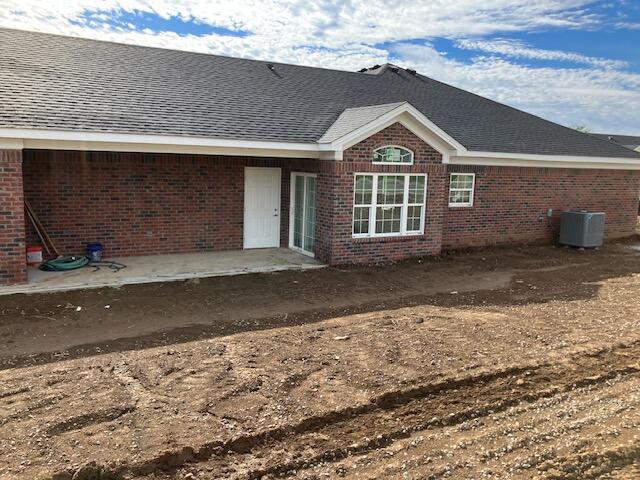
325, 23
350, 34
518, 49
629, 25
603, 99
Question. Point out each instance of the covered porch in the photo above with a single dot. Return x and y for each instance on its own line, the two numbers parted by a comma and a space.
165, 268
167, 216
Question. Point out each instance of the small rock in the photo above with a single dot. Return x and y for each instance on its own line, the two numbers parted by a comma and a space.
90, 471
344, 337
62, 476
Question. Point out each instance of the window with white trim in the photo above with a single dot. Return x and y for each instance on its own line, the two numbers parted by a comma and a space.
389, 204
393, 154
461, 187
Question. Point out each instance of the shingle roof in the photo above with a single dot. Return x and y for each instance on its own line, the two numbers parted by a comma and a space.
353, 118
55, 82
629, 141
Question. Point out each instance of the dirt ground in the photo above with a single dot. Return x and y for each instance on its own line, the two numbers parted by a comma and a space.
499, 363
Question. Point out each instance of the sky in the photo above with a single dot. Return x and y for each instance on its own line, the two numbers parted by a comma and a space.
575, 62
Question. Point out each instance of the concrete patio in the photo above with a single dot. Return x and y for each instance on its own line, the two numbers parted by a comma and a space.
166, 268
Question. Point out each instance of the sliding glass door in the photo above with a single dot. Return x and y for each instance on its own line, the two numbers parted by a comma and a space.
303, 212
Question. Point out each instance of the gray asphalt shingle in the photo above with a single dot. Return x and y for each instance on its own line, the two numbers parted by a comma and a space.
56, 82
629, 141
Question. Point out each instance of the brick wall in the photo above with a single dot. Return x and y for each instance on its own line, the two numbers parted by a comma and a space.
139, 204
164, 203
510, 204
335, 243
12, 233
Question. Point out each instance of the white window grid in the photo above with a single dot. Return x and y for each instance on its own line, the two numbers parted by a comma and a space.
470, 190
386, 162
373, 205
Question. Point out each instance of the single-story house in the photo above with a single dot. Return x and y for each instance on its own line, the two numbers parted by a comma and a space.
628, 141
150, 150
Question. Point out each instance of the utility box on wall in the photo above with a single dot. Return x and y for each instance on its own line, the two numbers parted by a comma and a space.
582, 229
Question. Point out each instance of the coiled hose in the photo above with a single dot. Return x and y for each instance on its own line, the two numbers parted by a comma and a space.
63, 264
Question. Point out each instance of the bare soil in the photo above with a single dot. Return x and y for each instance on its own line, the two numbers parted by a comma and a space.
498, 363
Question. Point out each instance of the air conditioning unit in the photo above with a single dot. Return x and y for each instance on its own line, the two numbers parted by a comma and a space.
582, 229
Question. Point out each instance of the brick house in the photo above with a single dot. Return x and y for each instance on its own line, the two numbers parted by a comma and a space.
158, 151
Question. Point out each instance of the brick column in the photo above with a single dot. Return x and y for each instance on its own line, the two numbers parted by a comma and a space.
325, 210
13, 268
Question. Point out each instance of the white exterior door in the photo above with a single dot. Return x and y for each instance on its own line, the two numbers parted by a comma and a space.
261, 207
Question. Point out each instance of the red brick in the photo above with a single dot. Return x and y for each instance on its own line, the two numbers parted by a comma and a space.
164, 203
335, 243
138, 204
511, 204
12, 234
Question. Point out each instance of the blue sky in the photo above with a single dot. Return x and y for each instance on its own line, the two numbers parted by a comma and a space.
576, 62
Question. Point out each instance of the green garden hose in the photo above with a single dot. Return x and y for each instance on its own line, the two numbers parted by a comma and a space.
62, 264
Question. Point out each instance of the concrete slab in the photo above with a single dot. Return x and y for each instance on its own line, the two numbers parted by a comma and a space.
166, 268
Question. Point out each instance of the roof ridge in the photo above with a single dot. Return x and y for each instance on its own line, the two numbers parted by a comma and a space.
191, 52
419, 75
615, 135
397, 104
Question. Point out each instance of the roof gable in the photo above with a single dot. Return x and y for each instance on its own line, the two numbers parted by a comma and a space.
354, 118
356, 124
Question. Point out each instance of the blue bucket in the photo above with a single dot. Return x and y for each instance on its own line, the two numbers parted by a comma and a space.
94, 252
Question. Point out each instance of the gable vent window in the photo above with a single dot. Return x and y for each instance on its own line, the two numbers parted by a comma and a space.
393, 155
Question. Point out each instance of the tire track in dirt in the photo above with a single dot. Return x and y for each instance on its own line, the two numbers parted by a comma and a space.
33, 408
575, 466
486, 441
315, 311
407, 426
543, 435
630, 470
397, 414
94, 418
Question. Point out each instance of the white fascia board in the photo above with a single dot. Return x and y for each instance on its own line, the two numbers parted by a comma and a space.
544, 161
448, 139
455, 153
11, 144
411, 118
124, 142
405, 114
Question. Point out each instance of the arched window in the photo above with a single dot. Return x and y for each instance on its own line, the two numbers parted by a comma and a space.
393, 154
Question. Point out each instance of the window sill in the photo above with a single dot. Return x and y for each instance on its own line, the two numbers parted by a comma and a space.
387, 238
393, 163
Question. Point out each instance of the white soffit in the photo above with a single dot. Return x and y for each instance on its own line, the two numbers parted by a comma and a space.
124, 142
350, 131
